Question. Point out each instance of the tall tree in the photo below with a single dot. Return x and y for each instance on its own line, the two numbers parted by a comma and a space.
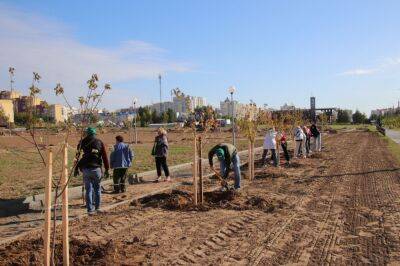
343, 117
171, 116
359, 118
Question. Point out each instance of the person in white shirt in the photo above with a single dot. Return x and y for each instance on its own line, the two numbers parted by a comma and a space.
270, 145
299, 139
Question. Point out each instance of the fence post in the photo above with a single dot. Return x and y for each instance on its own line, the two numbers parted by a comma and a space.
47, 204
201, 190
65, 229
195, 183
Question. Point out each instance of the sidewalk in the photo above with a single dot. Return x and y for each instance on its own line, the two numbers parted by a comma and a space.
393, 134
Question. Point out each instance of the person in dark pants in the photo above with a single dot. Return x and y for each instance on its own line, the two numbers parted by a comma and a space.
317, 137
270, 145
120, 160
308, 134
160, 152
284, 147
227, 155
94, 155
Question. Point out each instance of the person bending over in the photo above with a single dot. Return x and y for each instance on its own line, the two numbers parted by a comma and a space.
227, 155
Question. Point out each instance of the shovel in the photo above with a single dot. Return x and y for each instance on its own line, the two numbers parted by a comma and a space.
223, 182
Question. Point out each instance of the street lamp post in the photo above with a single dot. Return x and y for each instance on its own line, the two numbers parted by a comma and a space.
231, 90
134, 125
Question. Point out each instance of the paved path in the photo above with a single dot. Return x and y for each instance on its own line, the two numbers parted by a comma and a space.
393, 134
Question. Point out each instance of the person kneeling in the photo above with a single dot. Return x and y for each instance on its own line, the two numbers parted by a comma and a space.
120, 159
227, 154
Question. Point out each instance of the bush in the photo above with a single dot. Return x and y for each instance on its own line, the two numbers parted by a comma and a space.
391, 121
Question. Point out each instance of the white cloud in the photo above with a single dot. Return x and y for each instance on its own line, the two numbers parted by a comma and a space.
384, 65
358, 72
33, 43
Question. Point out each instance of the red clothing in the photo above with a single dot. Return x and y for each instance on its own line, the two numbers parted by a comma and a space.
283, 138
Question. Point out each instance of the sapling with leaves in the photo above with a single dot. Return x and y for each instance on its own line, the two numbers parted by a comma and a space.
88, 106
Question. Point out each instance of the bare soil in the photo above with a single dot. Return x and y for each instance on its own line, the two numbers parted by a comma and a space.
338, 207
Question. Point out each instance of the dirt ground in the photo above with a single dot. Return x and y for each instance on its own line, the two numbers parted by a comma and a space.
339, 207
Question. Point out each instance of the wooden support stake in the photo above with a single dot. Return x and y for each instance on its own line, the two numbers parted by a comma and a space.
65, 235
249, 163
195, 183
47, 211
278, 154
201, 190
252, 160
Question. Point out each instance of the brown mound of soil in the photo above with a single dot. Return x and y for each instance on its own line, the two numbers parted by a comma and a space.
293, 165
263, 175
229, 199
30, 252
177, 200
218, 197
316, 155
264, 204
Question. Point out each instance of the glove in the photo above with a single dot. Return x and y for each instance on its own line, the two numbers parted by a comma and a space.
76, 172
106, 174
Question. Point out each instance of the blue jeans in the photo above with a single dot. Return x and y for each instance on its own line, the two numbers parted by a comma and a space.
236, 169
91, 177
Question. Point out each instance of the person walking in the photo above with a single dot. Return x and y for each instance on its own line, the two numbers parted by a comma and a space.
160, 152
298, 139
227, 155
283, 142
317, 137
270, 145
120, 160
308, 135
94, 156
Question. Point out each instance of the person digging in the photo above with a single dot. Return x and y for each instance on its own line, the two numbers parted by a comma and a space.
227, 155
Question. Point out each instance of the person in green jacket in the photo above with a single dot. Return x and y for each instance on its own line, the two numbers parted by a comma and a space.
227, 155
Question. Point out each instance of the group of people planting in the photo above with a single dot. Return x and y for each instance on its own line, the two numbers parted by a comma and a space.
94, 157
302, 139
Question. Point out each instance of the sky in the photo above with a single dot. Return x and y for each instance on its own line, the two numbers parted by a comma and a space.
345, 53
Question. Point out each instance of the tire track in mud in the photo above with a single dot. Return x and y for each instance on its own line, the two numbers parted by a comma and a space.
354, 228
305, 234
224, 240
372, 208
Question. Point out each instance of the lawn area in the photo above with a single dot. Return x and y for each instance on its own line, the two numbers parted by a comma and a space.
393, 147
351, 126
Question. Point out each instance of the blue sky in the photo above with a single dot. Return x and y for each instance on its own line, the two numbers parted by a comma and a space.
346, 53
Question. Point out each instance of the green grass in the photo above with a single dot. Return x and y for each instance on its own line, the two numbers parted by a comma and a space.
351, 126
393, 147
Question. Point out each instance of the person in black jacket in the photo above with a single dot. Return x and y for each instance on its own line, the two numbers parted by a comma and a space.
94, 156
317, 137
160, 152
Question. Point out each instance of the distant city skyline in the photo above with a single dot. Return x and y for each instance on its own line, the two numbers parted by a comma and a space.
272, 52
